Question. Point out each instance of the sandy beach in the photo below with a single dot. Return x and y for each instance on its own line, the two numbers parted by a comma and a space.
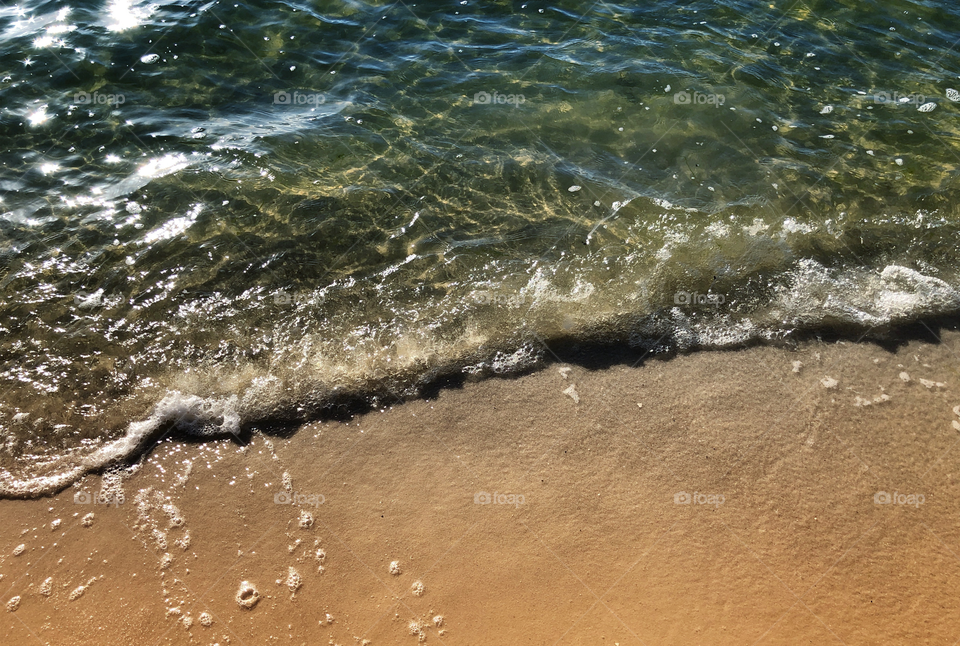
759, 496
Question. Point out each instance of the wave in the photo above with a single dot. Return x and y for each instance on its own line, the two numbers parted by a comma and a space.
813, 298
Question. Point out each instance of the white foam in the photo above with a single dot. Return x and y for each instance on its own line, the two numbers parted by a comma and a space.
570, 302
205, 417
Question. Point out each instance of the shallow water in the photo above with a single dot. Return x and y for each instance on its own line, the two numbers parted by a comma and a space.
219, 214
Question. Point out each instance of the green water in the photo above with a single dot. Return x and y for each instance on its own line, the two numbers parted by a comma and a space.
218, 215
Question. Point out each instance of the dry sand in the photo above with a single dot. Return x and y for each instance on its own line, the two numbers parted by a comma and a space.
737, 505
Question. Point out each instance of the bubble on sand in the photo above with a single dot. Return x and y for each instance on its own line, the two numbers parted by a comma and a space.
247, 596
417, 588
18, 550
166, 561
55, 524
930, 384
417, 628
294, 581
797, 365
395, 568
184, 541
174, 612
572, 393
286, 482
87, 521
173, 513
206, 619
78, 592
187, 622
564, 372
13, 604
438, 621
46, 588
829, 382
860, 401
320, 556
306, 520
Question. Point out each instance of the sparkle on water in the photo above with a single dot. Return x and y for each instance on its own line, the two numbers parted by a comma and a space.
221, 215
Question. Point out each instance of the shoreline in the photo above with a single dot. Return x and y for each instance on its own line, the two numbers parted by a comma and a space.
711, 497
218, 416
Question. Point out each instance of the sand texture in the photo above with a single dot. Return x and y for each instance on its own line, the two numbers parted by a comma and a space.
762, 496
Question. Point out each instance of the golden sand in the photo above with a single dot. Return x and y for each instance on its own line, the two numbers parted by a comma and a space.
762, 496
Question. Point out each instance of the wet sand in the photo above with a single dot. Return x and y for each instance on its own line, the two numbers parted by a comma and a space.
715, 498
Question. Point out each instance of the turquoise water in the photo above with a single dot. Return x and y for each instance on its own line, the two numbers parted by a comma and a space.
217, 215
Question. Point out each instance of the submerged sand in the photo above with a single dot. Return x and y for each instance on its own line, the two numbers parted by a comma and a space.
761, 496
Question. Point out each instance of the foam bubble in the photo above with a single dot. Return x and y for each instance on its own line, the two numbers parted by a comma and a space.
46, 588
394, 568
417, 588
417, 628
247, 596
206, 619
204, 417
294, 580
306, 520
13, 604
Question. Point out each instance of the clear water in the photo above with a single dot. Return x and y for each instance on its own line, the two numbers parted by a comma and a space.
217, 215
